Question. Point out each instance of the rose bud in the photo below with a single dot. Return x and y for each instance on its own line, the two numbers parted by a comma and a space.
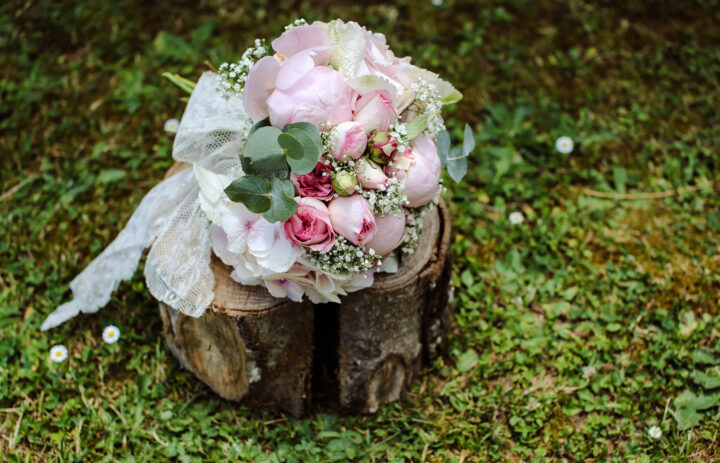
423, 177
316, 184
389, 231
400, 165
381, 147
371, 175
345, 183
348, 141
310, 226
352, 218
375, 111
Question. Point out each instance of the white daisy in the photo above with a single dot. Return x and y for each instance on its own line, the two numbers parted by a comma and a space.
436, 2
655, 432
516, 218
171, 125
58, 353
111, 334
588, 371
564, 144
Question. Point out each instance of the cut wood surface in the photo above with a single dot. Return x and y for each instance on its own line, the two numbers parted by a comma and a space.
252, 346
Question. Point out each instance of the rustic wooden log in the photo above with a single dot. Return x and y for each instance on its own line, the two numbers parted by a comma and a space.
277, 354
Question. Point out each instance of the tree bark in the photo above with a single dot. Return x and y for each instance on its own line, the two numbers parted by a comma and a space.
365, 351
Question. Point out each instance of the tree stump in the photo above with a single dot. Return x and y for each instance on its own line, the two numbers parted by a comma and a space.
366, 351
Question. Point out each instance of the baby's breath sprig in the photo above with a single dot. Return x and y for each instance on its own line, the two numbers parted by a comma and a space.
415, 218
388, 199
234, 75
344, 257
296, 23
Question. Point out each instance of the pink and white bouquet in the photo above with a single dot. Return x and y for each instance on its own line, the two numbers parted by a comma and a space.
313, 161
339, 167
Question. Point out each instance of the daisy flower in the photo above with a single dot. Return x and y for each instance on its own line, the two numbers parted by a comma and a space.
516, 218
588, 371
564, 145
655, 432
58, 353
111, 334
171, 125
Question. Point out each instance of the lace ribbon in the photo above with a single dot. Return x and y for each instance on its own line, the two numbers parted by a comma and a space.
169, 220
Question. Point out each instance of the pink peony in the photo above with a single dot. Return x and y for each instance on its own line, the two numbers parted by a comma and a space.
423, 177
259, 86
310, 225
352, 218
298, 39
320, 94
389, 231
375, 111
348, 141
315, 184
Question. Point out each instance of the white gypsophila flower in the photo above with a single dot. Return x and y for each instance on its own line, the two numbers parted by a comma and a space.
655, 432
516, 218
58, 353
111, 334
564, 144
589, 371
171, 125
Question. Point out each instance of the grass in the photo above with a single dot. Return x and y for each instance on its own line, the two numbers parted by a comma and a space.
574, 332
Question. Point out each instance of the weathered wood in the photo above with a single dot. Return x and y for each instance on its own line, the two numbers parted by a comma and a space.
385, 329
266, 359
252, 346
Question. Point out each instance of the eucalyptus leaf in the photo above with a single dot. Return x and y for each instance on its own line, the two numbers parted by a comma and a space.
258, 125
310, 130
283, 204
293, 147
416, 126
443, 147
468, 141
457, 164
264, 151
252, 191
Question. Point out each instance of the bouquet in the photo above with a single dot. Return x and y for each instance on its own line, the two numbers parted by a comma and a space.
315, 158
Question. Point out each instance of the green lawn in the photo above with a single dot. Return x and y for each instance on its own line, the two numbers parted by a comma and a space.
574, 332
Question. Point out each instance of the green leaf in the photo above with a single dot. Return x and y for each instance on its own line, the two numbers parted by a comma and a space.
707, 381
264, 151
467, 361
703, 357
184, 84
443, 147
283, 204
457, 165
688, 399
620, 178
416, 126
258, 125
468, 141
293, 147
253, 191
687, 418
110, 175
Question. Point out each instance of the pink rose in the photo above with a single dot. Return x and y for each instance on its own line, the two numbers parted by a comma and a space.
400, 165
375, 111
348, 140
423, 177
314, 184
381, 147
389, 231
370, 175
310, 226
352, 218
318, 95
